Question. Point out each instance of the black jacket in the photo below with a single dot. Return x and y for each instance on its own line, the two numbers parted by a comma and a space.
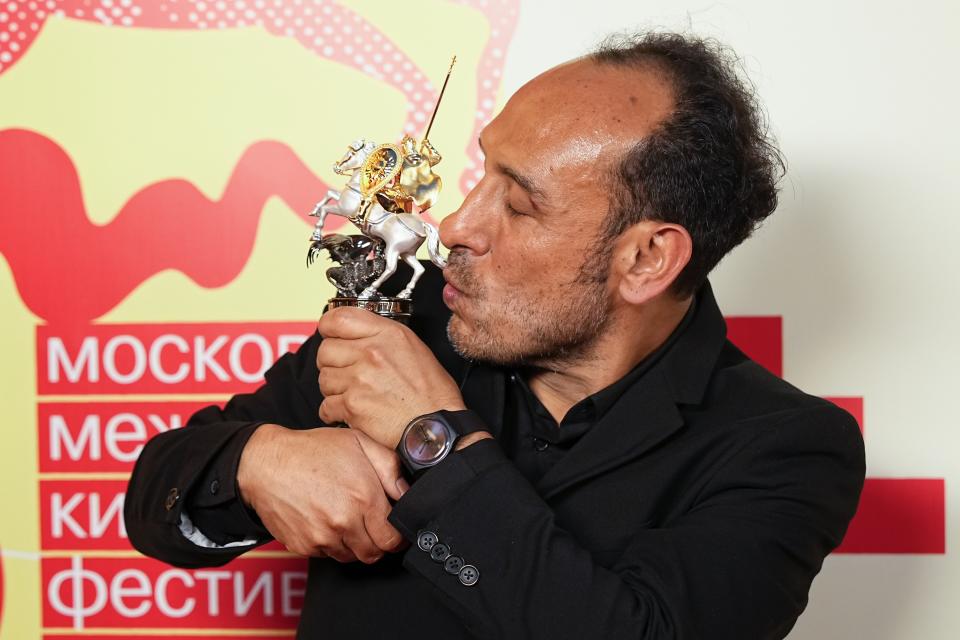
700, 506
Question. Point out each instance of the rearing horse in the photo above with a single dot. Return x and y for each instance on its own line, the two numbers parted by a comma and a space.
402, 233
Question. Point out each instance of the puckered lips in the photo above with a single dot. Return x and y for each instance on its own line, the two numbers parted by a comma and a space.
451, 292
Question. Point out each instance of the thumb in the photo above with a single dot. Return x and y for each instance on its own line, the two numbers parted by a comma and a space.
387, 465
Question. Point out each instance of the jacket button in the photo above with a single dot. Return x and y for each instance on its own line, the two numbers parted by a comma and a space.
214, 487
453, 565
426, 540
540, 444
469, 575
172, 498
439, 552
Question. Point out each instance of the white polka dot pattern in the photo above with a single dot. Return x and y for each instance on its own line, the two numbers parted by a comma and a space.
324, 27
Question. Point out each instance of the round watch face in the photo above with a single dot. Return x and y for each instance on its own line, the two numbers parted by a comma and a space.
427, 441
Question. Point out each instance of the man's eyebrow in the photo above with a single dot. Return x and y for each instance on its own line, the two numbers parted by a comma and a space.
525, 183
536, 194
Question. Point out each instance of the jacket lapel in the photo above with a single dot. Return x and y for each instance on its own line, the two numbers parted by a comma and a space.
647, 413
631, 427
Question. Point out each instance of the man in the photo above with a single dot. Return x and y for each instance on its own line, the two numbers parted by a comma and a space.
621, 470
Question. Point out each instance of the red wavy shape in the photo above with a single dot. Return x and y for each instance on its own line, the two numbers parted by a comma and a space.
69, 269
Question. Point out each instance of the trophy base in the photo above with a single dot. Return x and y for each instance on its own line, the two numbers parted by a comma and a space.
398, 309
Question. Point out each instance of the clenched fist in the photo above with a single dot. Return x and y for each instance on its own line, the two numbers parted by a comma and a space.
376, 375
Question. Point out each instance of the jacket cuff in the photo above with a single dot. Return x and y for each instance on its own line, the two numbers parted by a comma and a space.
471, 505
214, 505
441, 485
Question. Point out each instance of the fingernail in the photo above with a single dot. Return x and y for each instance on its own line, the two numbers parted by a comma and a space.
402, 486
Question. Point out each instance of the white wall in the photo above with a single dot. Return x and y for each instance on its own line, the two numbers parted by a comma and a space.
860, 257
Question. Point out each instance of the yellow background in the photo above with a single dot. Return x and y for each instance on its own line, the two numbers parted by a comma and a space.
140, 106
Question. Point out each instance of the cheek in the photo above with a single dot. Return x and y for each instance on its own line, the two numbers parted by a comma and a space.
521, 263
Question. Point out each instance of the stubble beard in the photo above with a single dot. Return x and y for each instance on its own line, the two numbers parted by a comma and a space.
547, 332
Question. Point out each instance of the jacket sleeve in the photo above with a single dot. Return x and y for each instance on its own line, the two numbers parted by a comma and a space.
185, 479
737, 565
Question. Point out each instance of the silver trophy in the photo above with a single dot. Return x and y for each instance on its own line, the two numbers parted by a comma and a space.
389, 186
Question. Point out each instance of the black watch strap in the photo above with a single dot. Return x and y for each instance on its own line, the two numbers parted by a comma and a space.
464, 421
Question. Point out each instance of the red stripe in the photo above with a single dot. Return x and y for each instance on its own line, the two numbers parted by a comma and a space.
899, 515
852, 405
760, 337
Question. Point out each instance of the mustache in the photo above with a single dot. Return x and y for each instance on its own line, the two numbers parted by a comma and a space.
460, 271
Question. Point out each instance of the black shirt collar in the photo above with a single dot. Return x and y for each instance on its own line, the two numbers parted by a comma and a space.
594, 406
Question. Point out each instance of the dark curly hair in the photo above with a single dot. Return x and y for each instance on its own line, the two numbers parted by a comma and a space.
710, 166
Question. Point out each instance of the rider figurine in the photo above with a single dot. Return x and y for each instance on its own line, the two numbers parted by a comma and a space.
417, 179
387, 182
389, 185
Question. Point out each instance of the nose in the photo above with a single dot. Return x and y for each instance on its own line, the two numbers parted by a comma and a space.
469, 227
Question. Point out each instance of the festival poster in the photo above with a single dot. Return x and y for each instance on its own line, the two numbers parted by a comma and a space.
157, 164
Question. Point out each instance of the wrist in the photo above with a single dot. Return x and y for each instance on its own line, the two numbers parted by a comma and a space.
254, 452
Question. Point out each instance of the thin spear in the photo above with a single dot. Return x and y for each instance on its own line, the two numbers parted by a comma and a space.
439, 98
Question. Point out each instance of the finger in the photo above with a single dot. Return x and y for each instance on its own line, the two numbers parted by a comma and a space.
351, 323
301, 548
340, 552
337, 352
332, 410
387, 465
359, 542
383, 534
333, 381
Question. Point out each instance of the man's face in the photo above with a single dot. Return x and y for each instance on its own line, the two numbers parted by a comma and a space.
526, 283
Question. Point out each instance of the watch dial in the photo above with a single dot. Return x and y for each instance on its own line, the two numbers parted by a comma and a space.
426, 441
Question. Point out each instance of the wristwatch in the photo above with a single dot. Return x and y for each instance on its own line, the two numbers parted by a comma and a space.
429, 439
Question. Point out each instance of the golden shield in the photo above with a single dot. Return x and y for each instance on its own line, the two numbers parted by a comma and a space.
380, 168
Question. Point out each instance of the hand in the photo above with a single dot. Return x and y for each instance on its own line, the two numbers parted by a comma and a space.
322, 492
376, 375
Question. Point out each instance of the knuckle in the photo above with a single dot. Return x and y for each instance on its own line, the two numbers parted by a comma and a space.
365, 379
366, 497
375, 355
397, 331
350, 403
316, 539
339, 523
340, 318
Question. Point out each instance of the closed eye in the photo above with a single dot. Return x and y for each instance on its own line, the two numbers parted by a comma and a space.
514, 212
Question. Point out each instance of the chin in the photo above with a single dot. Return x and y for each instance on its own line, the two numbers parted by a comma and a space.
531, 338
481, 345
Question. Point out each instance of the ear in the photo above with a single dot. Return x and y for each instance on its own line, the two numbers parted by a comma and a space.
648, 258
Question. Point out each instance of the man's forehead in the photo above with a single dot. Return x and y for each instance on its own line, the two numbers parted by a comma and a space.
583, 109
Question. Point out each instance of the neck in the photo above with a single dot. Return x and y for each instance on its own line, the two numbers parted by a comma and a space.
630, 336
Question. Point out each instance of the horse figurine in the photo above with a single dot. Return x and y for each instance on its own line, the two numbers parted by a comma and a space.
371, 186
